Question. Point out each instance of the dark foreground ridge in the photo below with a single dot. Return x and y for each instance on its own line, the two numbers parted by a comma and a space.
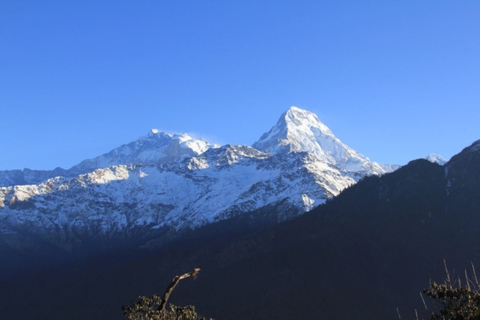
364, 254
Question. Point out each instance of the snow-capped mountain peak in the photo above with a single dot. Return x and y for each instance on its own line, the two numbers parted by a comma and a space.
300, 130
156, 146
305, 120
436, 158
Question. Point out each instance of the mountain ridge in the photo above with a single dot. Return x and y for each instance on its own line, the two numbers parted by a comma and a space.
173, 181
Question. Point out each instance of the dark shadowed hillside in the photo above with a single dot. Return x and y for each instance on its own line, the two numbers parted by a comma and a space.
360, 256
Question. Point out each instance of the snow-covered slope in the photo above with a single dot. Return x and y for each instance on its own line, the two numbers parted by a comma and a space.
299, 130
165, 181
436, 158
216, 185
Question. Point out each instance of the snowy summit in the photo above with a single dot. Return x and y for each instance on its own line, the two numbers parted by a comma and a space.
300, 130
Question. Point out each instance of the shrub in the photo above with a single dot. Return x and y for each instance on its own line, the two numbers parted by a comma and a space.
153, 308
454, 301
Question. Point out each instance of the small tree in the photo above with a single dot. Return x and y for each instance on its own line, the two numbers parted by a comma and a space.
454, 301
153, 308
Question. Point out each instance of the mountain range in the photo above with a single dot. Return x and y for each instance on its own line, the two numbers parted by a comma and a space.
163, 183
365, 254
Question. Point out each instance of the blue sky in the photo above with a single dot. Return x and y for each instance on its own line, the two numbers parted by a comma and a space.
394, 80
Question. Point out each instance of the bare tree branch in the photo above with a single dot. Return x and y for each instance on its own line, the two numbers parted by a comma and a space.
174, 283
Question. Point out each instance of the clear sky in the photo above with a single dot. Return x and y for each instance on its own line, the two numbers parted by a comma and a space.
395, 80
